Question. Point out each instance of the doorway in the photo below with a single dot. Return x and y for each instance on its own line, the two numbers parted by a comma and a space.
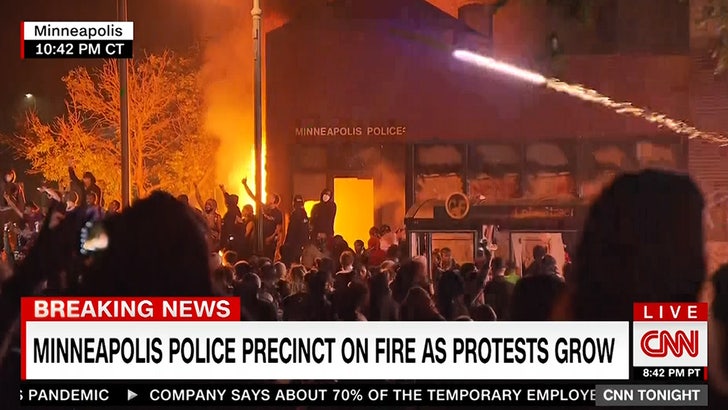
522, 244
354, 199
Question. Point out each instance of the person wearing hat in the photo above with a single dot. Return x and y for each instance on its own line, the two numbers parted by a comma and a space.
297, 234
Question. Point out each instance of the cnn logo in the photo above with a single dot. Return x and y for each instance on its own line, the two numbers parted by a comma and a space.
660, 343
670, 335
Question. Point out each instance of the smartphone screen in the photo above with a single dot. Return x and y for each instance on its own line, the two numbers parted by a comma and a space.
93, 238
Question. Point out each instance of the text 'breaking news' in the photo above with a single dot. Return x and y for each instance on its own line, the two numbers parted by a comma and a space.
178, 346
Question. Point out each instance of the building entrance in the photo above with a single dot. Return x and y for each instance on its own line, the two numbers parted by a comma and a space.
355, 208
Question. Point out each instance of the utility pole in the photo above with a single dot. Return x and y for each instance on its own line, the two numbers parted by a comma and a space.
257, 14
124, 115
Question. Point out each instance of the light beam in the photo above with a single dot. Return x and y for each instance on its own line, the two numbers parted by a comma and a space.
593, 96
501, 67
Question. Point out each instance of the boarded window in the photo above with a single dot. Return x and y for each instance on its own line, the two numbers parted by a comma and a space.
437, 186
550, 170
438, 171
658, 155
602, 163
495, 172
439, 158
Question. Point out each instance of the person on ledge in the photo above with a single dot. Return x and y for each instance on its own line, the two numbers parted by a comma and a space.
297, 234
272, 222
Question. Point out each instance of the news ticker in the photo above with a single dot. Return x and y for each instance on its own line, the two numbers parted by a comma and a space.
245, 393
76, 39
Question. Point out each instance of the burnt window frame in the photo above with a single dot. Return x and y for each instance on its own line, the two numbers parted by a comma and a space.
590, 167
459, 170
676, 143
475, 164
418, 171
570, 151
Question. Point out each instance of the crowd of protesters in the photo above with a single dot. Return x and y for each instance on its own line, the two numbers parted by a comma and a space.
22, 219
642, 241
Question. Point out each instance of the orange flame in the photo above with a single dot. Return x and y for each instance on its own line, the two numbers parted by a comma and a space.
226, 76
246, 169
251, 169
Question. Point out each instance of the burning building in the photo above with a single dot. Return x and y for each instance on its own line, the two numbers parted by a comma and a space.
364, 97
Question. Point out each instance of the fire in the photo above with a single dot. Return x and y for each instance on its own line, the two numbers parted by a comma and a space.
227, 79
308, 206
246, 169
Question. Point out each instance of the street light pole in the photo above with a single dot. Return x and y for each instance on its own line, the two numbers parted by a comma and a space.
124, 116
257, 14
30, 99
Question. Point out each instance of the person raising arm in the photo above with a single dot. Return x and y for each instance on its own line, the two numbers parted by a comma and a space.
272, 222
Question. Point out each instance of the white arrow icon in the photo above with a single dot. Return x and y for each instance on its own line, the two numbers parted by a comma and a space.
130, 394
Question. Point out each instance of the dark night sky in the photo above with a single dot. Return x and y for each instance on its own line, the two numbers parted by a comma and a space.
158, 24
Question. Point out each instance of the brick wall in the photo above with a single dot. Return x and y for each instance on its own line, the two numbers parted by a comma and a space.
708, 162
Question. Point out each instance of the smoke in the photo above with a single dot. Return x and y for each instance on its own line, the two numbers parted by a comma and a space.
389, 199
227, 79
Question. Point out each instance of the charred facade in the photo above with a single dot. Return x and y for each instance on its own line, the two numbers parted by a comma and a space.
370, 91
